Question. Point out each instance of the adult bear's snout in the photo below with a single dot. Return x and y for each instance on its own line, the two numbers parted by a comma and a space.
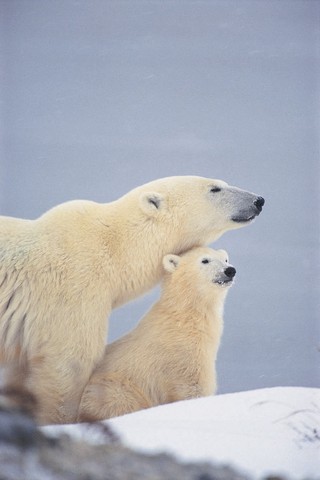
259, 202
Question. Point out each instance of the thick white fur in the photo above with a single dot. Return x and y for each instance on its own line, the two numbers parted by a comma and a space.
171, 353
63, 273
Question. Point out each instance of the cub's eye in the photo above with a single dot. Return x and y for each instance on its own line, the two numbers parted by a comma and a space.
205, 260
215, 189
227, 261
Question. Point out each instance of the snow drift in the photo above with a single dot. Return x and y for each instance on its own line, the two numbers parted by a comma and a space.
273, 431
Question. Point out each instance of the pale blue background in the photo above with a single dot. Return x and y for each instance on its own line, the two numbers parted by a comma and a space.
98, 97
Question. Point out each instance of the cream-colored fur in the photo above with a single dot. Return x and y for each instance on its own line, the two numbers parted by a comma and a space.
63, 273
171, 353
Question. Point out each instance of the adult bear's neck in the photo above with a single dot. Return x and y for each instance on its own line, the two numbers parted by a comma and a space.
134, 249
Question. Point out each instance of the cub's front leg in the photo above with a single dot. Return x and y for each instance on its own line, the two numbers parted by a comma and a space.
110, 396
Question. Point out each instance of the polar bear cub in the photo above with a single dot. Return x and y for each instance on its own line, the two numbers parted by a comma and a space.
171, 354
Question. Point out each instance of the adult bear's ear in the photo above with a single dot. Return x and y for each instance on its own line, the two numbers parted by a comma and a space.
151, 202
171, 262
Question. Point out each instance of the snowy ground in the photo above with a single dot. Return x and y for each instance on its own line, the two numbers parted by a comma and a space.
261, 432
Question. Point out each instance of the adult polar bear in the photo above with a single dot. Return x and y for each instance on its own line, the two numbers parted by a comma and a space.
63, 273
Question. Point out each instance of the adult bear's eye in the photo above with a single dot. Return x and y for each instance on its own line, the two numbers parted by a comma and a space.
215, 189
205, 260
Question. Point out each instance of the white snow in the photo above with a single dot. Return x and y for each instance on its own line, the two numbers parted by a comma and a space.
260, 432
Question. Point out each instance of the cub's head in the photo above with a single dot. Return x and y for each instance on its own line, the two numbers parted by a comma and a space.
199, 210
202, 270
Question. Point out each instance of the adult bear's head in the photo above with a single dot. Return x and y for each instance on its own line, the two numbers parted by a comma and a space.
199, 209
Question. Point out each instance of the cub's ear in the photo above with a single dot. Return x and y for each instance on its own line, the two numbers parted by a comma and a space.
171, 262
151, 202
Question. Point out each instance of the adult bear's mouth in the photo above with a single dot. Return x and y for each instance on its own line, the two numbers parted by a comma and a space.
240, 219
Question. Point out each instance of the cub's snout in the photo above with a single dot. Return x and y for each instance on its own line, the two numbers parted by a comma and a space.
230, 272
226, 277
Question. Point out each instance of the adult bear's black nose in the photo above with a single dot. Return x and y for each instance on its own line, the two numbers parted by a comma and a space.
259, 202
230, 272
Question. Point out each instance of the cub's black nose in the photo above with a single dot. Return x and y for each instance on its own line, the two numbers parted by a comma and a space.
259, 202
230, 272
